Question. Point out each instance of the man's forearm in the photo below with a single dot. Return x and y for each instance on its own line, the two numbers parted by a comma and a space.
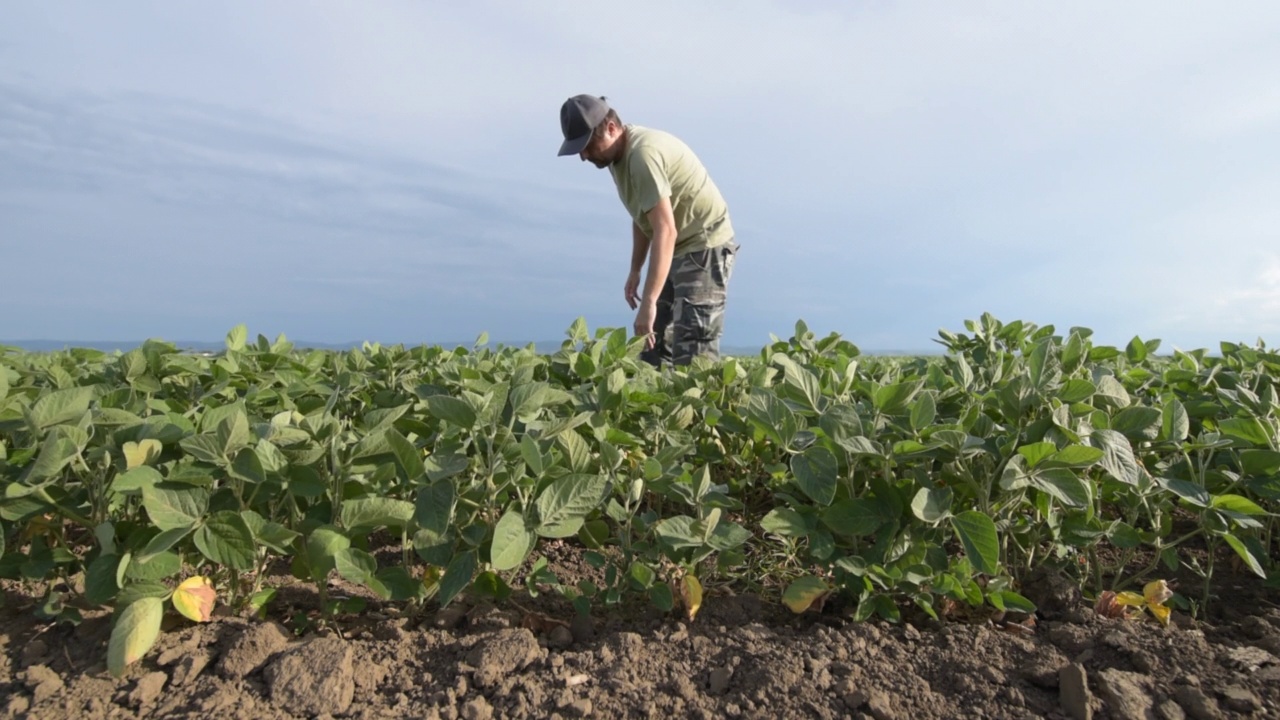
660, 249
639, 248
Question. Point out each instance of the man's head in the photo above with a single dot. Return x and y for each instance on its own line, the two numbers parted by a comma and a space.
591, 129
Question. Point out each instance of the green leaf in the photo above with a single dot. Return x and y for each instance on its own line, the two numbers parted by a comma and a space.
408, 457
61, 406
977, 532
1237, 503
100, 579
400, 584
529, 398
786, 522
1076, 390
1111, 389
237, 336
923, 411
1117, 456
136, 591
247, 466
489, 584
433, 509
322, 547
1010, 600
213, 417
1260, 462
452, 410
1124, 536
1189, 491
134, 633
55, 454
661, 597
206, 447
1245, 554
856, 517
1064, 485
803, 592
1075, 456
1138, 422
457, 576
728, 536
133, 481
156, 567
1247, 430
815, 470
1175, 424
375, 512
841, 424
270, 534
1035, 452
768, 413
226, 539
355, 565
163, 542
170, 505
564, 504
680, 531
532, 455
512, 541
893, 399
1136, 351
932, 504
577, 451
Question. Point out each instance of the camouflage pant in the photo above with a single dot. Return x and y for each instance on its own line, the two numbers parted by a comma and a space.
690, 317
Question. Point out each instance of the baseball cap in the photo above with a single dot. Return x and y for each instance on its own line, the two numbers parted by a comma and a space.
579, 116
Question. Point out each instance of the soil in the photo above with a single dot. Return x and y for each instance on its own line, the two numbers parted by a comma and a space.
741, 657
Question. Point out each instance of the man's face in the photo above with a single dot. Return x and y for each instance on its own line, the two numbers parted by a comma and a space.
602, 150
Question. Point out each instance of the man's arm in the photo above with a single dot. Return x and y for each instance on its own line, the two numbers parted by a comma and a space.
661, 247
639, 250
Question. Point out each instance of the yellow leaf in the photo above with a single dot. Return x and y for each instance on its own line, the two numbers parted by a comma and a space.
1161, 612
135, 631
141, 453
431, 577
1157, 592
195, 597
1131, 599
691, 594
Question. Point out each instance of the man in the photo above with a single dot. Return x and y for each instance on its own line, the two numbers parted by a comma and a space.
680, 224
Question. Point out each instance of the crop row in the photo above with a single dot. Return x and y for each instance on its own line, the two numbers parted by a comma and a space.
810, 471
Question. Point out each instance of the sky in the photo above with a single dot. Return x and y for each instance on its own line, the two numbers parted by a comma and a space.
386, 171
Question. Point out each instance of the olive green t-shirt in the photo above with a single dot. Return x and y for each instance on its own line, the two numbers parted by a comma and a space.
657, 164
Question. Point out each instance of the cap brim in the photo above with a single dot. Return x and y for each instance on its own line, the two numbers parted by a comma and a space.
574, 146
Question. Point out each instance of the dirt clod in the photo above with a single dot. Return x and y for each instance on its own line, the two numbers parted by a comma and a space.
148, 689
190, 666
560, 637
1125, 694
1241, 700
477, 709
503, 652
42, 682
250, 649
313, 678
1198, 705
1073, 688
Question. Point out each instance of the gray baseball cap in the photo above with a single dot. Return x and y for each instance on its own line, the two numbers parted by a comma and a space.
579, 116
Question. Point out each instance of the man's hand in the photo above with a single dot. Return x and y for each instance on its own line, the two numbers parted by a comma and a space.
631, 291
644, 322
